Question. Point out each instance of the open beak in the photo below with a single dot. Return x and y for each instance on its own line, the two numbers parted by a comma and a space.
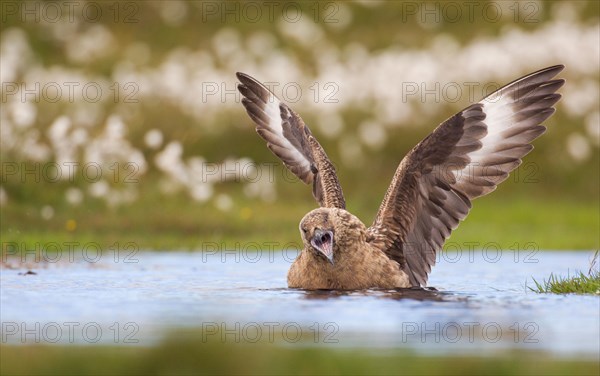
323, 242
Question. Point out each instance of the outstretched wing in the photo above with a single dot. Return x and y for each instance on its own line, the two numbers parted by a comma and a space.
290, 139
465, 157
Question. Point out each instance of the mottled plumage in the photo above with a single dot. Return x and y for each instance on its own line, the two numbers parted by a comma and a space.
465, 157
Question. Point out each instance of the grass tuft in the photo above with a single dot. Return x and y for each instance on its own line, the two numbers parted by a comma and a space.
580, 284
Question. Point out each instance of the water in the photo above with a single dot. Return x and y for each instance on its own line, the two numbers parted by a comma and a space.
482, 304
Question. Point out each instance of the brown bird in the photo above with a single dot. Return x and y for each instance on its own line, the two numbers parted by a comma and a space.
465, 157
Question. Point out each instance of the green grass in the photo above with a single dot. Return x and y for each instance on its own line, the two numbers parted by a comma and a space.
579, 284
185, 355
507, 221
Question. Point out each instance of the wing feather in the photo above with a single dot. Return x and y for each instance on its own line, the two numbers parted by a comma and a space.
291, 141
466, 157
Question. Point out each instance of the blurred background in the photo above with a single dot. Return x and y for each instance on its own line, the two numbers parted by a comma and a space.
120, 121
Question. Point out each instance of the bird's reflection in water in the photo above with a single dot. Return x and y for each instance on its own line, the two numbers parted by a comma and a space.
419, 294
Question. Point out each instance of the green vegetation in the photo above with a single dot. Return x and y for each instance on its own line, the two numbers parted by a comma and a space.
579, 284
191, 356
510, 221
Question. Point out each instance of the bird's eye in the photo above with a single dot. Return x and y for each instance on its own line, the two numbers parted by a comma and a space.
304, 230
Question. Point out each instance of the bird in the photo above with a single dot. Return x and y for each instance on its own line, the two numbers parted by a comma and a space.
431, 192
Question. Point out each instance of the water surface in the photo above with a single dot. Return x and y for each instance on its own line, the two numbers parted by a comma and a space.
481, 304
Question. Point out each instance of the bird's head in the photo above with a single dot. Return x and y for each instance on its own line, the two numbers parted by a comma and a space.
325, 231
318, 232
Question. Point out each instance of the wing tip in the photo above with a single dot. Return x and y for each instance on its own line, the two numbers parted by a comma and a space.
249, 86
242, 76
557, 67
553, 70
547, 73
247, 80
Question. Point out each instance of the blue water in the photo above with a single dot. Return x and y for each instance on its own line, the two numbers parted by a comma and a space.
482, 304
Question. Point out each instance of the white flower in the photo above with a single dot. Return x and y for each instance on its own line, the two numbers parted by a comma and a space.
578, 147
153, 138
99, 189
74, 196
23, 113
47, 212
223, 202
372, 134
